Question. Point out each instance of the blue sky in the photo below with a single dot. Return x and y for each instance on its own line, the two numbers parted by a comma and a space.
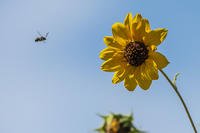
57, 86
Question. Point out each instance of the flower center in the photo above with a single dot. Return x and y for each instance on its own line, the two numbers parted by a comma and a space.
136, 53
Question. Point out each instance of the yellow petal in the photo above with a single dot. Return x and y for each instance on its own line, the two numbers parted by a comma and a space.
160, 60
115, 63
142, 80
155, 37
120, 75
152, 48
130, 83
110, 65
128, 21
110, 42
139, 29
107, 53
147, 25
151, 69
121, 33
137, 18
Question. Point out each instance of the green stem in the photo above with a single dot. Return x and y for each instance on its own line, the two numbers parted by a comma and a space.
180, 97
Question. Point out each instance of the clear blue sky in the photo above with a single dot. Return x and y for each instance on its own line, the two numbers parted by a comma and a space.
57, 86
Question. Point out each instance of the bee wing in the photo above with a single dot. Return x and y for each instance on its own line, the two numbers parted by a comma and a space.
39, 33
46, 34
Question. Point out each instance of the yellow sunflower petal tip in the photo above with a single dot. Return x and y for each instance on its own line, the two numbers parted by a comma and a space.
128, 19
115, 80
135, 45
137, 17
128, 15
164, 34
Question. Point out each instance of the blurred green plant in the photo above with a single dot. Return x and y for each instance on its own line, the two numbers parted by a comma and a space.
118, 123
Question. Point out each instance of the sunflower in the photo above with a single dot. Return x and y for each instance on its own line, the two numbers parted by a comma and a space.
131, 52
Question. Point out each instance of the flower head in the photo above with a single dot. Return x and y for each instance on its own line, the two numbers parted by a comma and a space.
117, 123
131, 52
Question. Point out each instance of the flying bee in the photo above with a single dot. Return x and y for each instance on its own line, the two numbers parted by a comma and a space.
41, 38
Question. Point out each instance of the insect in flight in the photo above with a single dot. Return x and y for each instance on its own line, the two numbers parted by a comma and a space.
41, 38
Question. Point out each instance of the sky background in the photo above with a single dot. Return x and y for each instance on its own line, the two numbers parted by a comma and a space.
58, 87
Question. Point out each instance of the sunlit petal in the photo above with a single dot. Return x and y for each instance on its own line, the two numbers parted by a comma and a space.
130, 83
121, 33
107, 53
110, 42
155, 37
160, 60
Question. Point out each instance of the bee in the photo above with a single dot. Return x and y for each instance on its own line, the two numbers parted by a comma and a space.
41, 38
